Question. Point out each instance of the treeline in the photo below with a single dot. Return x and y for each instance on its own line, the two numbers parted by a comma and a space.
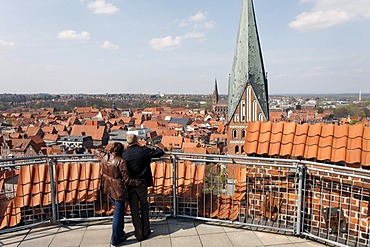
10, 102
352, 110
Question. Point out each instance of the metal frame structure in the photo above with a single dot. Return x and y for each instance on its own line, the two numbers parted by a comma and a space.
325, 202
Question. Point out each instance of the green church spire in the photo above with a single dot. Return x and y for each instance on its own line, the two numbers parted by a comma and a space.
248, 64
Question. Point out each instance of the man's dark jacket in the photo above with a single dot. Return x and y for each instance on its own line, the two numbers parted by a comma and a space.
115, 175
138, 160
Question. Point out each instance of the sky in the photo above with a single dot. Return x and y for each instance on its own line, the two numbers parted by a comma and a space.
180, 47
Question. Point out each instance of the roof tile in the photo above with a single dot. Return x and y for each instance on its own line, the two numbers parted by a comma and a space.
325, 142
252, 136
287, 139
24, 187
365, 158
275, 139
264, 138
312, 141
354, 145
338, 153
299, 141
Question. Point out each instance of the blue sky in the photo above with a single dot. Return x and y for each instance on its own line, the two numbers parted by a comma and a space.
173, 46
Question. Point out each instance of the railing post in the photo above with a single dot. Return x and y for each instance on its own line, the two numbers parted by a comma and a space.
174, 184
301, 170
52, 188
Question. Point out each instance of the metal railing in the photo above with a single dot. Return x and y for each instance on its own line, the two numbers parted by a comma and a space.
324, 202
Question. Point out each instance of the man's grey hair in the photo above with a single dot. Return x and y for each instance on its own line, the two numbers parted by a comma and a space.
131, 138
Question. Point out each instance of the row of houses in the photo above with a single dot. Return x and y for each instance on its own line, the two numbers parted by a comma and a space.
46, 132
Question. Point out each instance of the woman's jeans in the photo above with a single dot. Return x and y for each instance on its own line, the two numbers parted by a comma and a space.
118, 223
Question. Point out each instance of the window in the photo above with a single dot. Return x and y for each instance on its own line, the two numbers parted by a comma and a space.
242, 111
236, 149
261, 118
236, 118
235, 133
244, 133
255, 107
249, 97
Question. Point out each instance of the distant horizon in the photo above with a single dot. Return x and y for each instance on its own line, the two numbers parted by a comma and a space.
279, 94
105, 46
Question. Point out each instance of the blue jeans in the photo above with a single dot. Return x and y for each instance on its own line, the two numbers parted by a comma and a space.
118, 223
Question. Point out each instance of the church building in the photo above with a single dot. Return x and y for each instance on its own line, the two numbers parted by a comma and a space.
247, 87
218, 108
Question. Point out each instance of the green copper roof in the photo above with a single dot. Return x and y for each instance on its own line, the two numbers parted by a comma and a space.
248, 63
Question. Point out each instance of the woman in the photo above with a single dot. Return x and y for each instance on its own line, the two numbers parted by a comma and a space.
115, 178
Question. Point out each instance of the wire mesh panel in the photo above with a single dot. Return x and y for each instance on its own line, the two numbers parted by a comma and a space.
160, 195
261, 194
24, 194
78, 194
336, 205
325, 202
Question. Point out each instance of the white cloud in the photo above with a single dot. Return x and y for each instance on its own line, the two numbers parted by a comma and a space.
199, 20
73, 35
183, 23
200, 16
102, 7
109, 45
166, 43
195, 35
209, 24
171, 43
329, 13
4, 43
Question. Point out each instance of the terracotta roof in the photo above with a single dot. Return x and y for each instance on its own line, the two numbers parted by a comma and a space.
60, 127
49, 129
51, 137
188, 144
195, 150
151, 124
96, 132
10, 215
85, 109
322, 142
52, 150
33, 131
114, 128
20, 145
172, 141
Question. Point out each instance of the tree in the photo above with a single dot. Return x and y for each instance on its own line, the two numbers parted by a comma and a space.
341, 112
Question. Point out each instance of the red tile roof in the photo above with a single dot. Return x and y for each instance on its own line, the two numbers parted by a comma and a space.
321, 142
96, 132
172, 142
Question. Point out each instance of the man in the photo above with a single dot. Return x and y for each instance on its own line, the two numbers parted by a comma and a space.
115, 178
138, 160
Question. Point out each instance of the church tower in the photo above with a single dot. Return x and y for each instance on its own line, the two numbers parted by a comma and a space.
215, 97
247, 88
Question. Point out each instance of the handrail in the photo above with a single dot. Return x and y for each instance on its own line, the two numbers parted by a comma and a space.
297, 182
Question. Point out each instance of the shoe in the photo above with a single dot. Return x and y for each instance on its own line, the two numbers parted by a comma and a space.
123, 239
147, 235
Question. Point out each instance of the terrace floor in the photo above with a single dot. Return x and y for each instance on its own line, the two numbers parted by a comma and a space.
170, 232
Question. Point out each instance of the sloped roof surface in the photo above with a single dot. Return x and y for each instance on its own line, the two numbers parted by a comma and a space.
321, 142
